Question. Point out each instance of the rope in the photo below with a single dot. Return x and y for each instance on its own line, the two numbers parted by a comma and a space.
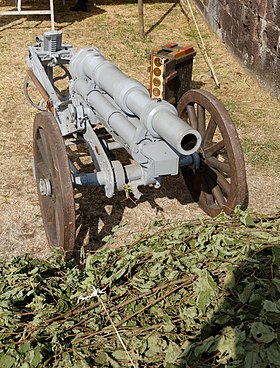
97, 293
203, 48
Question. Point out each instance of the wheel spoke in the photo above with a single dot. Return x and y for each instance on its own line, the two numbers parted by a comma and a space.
201, 120
42, 170
192, 116
214, 148
209, 133
218, 195
223, 183
58, 219
219, 165
44, 149
206, 186
214, 187
48, 204
220, 180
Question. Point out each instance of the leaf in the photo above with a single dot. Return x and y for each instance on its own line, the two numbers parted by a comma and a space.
273, 354
172, 352
226, 345
107, 238
66, 360
246, 293
276, 256
204, 346
37, 303
25, 347
229, 282
222, 320
37, 357
155, 345
157, 311
206, 288
269, 306
117, 275
203, 300
173, 275
262, 332
156, 271
119, 355
251, 359
276, 282
114, 364
247, 219
168, 325
7, 361
81, 363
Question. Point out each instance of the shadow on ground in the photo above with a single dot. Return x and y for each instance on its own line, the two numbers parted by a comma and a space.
63, 13
94, 222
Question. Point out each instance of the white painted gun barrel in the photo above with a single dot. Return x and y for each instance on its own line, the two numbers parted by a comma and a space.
159, 117
115, 119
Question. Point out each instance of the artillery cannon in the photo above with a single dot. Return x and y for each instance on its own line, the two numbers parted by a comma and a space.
107, 111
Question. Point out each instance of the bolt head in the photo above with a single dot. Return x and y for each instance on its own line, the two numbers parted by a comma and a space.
45, 187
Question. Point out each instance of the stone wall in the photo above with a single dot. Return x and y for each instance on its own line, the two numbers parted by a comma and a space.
251, 29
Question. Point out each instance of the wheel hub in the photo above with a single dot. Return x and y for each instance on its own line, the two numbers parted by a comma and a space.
45, 187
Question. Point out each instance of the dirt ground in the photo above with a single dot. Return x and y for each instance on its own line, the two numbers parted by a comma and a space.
114, 29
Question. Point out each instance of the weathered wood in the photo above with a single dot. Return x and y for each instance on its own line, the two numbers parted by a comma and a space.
141, 18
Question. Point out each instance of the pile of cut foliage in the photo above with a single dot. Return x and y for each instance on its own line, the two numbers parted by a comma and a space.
205, 294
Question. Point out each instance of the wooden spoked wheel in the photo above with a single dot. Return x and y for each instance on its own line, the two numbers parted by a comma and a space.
219, 184
54, 183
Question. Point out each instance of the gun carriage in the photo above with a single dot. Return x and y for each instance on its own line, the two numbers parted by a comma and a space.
108, 111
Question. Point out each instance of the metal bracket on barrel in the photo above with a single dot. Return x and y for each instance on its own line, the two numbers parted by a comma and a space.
101, 160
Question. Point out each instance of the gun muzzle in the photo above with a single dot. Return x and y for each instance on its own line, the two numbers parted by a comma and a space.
159, 117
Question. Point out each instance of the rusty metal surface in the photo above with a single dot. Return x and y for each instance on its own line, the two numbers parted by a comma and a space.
220, 182
51, 166
37, 85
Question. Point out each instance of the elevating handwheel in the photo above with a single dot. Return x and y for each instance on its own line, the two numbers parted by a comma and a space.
54, 183
219, 184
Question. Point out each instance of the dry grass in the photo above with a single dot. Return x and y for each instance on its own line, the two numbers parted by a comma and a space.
114, 29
